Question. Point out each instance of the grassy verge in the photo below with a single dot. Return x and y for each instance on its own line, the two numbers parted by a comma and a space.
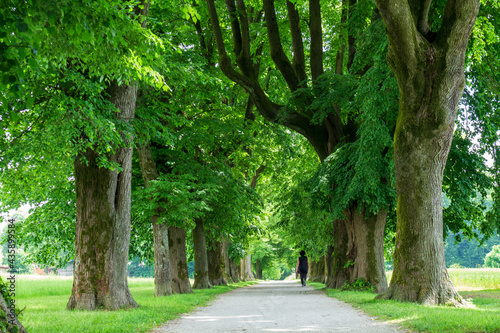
485, 317
45, 300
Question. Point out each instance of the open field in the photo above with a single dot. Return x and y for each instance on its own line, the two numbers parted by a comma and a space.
480, 286
45, 299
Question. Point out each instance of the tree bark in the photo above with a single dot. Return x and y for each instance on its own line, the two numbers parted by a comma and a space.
226, 261
163, 284
200, 257
367, 240
178, 261
235, 276
430, 71
215, 263
8, 318
340, 272
103, 225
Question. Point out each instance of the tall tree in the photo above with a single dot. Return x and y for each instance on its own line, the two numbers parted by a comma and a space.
103, 212
429, 67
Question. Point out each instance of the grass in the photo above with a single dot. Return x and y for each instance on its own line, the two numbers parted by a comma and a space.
481, 286
45, 299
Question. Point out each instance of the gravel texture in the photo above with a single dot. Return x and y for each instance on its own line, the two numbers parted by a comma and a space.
277, 306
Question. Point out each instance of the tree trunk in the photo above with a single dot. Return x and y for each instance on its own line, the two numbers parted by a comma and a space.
178, 261
163, 284
8, 318
329, 265
215, 262
226, 261
368, 240
103, 225
321, 270
200, 257
258, 270
340, 270
248, 268
429, 68
234, 271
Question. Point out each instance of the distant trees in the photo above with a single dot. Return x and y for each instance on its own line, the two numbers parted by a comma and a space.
493, 258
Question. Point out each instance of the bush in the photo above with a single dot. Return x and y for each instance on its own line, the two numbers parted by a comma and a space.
358, 285
456, 266
492, 259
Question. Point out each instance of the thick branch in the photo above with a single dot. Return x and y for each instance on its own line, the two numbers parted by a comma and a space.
351, 39
339, 61
316, 39
420, 13
402, 34
298, 61
458, 21
277, 54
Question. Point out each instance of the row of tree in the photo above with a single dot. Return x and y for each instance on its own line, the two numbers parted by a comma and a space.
360, 95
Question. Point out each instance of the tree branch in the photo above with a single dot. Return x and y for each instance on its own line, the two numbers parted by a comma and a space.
277, 54
458, 20
339, 61
316, 39
298, 61
420, 12
402, 34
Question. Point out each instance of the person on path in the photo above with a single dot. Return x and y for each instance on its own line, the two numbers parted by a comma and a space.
302, 267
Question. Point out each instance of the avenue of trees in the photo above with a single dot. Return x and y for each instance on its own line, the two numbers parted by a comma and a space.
235, 133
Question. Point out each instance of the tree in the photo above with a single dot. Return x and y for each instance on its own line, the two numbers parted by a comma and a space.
492, 259
428, 64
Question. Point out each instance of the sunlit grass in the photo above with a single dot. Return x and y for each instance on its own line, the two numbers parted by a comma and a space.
44, 301
481, 286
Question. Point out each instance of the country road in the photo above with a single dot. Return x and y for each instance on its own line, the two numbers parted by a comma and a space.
277, 306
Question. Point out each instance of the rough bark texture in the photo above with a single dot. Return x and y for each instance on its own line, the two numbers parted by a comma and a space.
258, 270
366, 238
8, 318
215, 264
103, 223
200, 257
228, 275
163, 285
178, 261
234, 270
430, 71
339, 273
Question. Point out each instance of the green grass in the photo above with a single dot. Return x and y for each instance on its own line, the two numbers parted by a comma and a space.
45, 302
482, 286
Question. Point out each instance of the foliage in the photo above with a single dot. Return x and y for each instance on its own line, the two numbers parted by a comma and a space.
138, 268
276, 259
492, 259
358, 285
362, 171
468, 253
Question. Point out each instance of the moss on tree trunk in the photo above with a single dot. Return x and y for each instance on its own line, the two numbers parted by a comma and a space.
103, 223
429, 68
215, 264
163, 285
178, 260
200, 257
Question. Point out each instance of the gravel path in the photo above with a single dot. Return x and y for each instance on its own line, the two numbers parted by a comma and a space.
277, 306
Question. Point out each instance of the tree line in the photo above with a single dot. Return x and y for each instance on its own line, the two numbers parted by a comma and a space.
134, 128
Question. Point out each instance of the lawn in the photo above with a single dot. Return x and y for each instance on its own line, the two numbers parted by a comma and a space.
45, 299
481, 286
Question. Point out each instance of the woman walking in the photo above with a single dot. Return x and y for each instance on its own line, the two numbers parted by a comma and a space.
302, 267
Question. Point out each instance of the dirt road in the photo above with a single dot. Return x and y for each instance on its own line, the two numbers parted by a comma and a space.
277, 306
